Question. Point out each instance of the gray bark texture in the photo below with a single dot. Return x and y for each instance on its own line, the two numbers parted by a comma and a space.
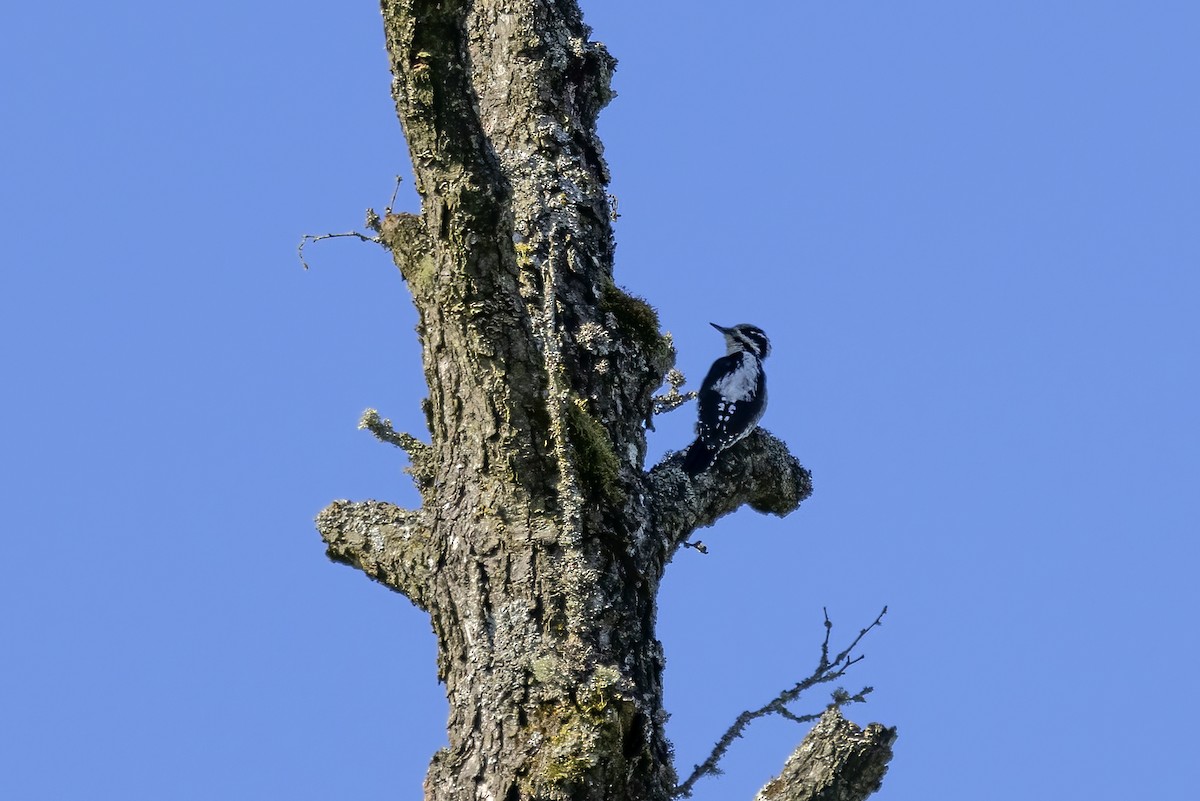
542, 538
837, 761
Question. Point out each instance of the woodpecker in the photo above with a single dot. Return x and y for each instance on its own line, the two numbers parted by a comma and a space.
732, 397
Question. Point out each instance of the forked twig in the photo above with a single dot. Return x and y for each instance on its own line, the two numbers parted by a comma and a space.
374, 223
827, 670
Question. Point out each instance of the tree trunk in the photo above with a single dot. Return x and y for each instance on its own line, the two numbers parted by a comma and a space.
541, 539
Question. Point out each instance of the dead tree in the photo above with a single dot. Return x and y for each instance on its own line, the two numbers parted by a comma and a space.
542, 539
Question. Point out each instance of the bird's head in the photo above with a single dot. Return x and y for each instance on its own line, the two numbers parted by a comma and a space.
744, 336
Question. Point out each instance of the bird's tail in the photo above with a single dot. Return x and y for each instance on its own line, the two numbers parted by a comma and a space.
699, 458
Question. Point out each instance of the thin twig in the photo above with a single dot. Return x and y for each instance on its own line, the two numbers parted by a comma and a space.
374, 223
304, 240
824, 662
862, 633
392, 203
827, 671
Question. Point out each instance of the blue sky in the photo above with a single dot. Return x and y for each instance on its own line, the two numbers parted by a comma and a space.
972, 231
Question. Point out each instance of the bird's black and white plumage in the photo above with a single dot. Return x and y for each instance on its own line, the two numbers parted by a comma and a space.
732, 397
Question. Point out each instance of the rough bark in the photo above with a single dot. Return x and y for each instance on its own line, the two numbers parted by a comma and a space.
837, 761
541, 539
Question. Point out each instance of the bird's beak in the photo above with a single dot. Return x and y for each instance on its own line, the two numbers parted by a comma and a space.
720, 328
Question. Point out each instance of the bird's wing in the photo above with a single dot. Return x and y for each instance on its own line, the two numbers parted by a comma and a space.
729, 420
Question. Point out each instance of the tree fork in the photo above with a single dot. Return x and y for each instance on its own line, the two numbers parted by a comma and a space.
541, 539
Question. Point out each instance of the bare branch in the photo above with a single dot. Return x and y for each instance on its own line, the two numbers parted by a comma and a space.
392, 203
845, 655
758, 471
373, 222
304, 240
827, 670
389, 544
837, 761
